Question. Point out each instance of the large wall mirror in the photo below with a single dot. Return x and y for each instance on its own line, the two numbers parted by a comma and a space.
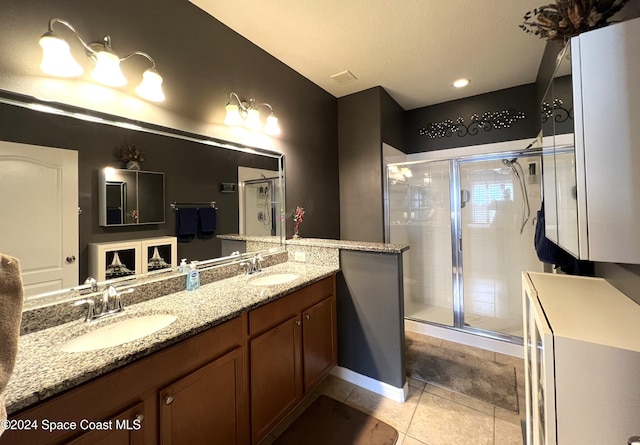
193, 168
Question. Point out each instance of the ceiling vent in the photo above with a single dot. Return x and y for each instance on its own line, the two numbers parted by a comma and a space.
343, 77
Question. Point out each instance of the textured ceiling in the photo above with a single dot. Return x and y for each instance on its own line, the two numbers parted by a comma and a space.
412, 48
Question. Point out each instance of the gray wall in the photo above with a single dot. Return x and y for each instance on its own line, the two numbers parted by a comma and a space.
392, 121
370, 307
360, 154
365, 120
201, 61
521, 98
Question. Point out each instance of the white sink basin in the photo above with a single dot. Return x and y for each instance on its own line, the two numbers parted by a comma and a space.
271, 280
118, 333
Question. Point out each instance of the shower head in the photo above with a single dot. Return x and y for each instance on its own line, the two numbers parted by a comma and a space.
268, 186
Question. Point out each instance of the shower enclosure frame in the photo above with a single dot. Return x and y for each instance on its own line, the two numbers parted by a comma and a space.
273, 201
456, 232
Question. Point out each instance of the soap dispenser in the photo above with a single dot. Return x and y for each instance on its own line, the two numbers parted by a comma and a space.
183, 268
193, 277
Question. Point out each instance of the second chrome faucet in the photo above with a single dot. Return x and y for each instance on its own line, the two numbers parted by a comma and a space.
110, 303
252, 265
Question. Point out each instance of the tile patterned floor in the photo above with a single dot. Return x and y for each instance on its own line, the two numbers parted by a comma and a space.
431, 415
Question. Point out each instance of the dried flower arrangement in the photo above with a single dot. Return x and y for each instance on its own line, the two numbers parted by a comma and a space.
298, 217
131, 155
129, 152
567, 18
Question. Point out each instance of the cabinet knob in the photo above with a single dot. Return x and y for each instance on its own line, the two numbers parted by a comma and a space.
168, 400
298, 322
71, 259
139, 417
307, 316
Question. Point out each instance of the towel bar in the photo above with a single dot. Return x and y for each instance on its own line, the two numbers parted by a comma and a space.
175, 205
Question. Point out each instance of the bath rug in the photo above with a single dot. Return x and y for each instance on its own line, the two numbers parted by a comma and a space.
329, 422
477, 377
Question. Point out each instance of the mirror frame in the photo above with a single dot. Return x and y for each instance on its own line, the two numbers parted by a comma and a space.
32, 103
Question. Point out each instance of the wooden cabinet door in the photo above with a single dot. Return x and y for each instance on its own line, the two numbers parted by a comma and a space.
319, 342
276, 375
124, 428
206, 406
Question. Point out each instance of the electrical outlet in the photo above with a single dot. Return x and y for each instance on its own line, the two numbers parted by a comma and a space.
300, 256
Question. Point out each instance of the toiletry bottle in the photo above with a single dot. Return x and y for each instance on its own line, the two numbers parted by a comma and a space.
183, 268
193, 277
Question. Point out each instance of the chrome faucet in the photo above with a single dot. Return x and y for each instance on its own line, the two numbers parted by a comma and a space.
91, 308
93, 283
252, 265
110, 303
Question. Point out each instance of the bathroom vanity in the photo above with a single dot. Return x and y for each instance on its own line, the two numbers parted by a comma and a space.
243, 349
238, 358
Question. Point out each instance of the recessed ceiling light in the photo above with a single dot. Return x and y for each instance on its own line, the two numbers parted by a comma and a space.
460, 83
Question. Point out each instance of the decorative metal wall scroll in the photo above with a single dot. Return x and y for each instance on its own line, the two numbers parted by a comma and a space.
489, 120
557, 110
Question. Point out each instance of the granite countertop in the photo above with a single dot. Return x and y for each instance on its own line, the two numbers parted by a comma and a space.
321, 242
260, 238
43, 370
349, 245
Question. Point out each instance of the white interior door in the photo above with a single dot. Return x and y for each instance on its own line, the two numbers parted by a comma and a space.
39, 214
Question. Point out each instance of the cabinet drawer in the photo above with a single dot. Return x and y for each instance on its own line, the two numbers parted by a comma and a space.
280, 310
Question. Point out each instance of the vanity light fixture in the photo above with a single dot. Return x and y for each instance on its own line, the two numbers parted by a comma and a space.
247, 114
461, 83
58, 61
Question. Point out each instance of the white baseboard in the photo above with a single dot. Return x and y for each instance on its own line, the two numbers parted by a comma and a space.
465, 338
384, 389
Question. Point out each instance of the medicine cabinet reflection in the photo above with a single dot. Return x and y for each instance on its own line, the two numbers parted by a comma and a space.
130, 197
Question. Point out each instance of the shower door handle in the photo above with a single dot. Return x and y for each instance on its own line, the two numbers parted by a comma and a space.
465, 197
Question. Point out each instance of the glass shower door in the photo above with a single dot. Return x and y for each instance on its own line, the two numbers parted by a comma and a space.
497, 231
419, 214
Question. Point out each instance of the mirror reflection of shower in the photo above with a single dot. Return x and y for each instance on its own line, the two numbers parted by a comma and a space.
258, 198
264, 201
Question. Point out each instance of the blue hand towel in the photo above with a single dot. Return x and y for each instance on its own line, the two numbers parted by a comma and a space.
207, 222
186, 224
114, 216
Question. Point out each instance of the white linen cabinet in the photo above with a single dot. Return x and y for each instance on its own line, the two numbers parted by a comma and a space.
582, 361
124, 258
591, 179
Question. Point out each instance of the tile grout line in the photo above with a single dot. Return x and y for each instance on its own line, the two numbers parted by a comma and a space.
494, 427
349, 395
413, 415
